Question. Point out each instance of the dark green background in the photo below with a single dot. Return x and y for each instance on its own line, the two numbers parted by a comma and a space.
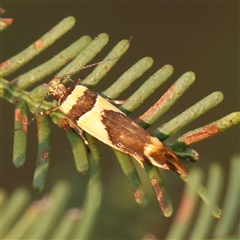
199, 36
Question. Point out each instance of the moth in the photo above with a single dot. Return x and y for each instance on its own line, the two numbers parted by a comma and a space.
86, 111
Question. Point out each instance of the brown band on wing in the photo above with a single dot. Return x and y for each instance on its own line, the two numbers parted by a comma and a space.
84, 104
126, 135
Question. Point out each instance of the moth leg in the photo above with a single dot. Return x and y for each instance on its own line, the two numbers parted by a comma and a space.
117, 102
47, 112
79, 81
78, 130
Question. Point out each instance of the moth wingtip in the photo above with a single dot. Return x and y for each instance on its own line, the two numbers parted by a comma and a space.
163, 157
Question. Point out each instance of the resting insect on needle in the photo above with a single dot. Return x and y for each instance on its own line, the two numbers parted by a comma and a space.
86, 111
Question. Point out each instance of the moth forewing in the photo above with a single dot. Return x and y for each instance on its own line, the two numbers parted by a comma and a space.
87, 111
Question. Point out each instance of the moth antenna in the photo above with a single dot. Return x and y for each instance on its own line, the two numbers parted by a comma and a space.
38, 110
66, 77
97, 63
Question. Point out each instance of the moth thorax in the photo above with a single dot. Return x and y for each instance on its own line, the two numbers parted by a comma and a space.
61, 91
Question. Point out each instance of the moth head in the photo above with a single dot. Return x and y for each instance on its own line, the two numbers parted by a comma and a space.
58, 90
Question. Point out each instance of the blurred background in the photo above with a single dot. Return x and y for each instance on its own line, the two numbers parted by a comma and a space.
202, 37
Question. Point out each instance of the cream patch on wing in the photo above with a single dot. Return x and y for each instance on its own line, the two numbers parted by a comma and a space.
91, 122
72, 98
152, 152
